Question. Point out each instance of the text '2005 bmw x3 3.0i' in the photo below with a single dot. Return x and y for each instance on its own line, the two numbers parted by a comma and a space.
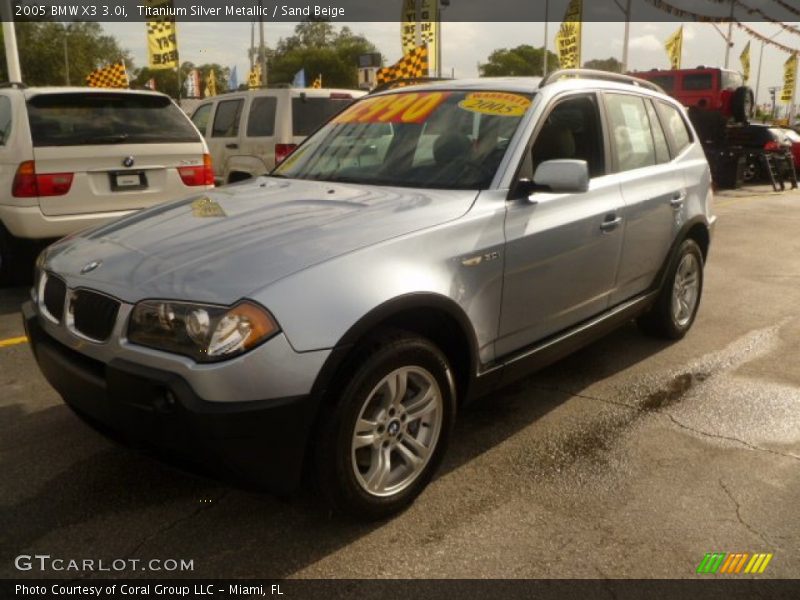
426, 245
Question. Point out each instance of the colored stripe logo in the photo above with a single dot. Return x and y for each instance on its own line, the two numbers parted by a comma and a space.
735, 563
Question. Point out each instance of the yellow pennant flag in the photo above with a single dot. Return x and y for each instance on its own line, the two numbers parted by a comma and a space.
674, 48
568, 39
789, 79
745, 58
317, 83
254, 78
211, 84
162, 38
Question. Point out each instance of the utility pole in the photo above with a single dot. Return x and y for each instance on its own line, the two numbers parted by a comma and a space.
10, 41
627, 37
262, 55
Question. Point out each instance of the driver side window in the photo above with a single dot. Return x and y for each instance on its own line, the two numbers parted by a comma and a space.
572, 130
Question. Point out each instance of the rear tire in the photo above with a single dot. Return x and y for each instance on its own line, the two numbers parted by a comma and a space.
381, 443
742, 104
675, 309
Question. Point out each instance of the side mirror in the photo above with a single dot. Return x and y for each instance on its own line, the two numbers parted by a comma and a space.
563, 176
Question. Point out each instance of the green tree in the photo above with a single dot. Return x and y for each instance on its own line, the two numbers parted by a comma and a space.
42, 58
519, 61
319, 48
604, 64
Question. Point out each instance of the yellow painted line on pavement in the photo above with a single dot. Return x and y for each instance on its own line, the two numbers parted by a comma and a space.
13, 341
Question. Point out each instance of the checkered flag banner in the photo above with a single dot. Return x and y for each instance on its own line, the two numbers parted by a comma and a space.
110, 76
414, 64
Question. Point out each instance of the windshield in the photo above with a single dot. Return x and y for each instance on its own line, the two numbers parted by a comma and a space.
448, 140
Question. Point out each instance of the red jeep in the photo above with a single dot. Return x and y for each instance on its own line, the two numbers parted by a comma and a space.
705, 88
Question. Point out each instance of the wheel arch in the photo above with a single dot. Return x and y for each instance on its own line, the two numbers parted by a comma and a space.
696, 229
429, 315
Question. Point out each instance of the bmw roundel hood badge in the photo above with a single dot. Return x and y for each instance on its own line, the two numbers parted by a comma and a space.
91, 266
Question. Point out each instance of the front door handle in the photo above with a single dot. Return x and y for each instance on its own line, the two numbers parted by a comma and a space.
611, 223
232, 146
677, 200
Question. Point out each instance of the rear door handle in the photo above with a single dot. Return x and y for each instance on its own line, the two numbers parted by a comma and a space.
677, 200
611, 223
232, 146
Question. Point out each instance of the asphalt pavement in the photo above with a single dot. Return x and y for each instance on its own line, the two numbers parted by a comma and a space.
631, 458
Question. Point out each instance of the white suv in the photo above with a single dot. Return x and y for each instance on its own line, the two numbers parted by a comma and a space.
249, 132
71, 158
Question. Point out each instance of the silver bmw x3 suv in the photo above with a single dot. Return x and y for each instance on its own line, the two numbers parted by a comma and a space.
425, 246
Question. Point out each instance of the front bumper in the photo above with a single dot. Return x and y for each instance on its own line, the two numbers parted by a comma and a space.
261, 442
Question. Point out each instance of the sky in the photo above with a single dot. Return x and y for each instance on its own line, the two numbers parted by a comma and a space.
467, 44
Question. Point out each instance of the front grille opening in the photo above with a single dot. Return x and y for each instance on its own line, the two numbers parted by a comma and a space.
55, 290
93, 315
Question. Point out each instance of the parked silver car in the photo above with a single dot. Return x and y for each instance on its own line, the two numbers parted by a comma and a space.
427, 245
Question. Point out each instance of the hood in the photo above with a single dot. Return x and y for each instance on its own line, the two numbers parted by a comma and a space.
232, 241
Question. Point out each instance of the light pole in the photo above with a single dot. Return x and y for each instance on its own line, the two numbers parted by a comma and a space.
760, 60
442, 5
10, 41
66, 54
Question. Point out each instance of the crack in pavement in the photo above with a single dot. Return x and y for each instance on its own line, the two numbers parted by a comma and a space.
747, 525
671, 417
175, 522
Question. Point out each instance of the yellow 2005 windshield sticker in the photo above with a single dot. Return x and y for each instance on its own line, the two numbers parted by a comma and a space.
414, 107
499, 104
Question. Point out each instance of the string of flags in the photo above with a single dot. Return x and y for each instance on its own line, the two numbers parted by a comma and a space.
110, 76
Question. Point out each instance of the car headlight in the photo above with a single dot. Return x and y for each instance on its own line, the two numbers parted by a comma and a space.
203, 332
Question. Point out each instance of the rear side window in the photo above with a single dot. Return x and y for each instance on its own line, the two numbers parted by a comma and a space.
630, 132
5, 119
75, 119
676, 127
309, 113
201, 116
698, 81
226, 121
261, 120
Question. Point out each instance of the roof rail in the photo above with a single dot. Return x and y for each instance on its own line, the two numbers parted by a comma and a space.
404, 82
602, 75
18, 85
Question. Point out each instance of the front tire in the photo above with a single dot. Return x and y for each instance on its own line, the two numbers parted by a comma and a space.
675, 309
381, 443
8, 249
